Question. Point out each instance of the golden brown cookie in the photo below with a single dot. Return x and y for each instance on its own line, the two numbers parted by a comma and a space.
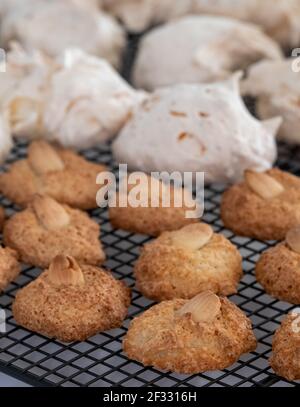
285, 360
183, 263
46, 228
2, 217
264, 206
71, 302
150, 220
9, 266
278, 269
57, 172
202, 334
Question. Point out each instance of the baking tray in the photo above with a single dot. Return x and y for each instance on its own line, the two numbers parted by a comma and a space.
99, 361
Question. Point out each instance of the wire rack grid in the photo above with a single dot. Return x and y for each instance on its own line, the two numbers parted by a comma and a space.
99, 361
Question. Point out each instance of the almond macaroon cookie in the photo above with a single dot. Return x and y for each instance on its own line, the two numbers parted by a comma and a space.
278, 269
9, 266
202, 334
2, 217
183, 263
46, 229
264, 206
154, 210
57, 172
285, 360
71, 302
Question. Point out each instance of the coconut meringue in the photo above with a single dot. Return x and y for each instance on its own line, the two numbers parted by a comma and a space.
138, 15
276, 86
199, 49
87, 103
195, 128
5, 139
279, 18
55, 25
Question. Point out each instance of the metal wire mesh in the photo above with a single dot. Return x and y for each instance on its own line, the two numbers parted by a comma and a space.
100, 361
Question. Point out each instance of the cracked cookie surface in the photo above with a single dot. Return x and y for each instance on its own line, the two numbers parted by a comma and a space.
202, 334
71, 302
186, 262
47, 228
57, 172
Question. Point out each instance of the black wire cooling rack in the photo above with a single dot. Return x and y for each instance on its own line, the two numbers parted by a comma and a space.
100, 361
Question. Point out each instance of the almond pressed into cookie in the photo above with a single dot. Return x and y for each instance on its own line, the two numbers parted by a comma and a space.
202, 334
47, 228
183, 263
72, 302
278, 269
57, 172
150, 219
264, 206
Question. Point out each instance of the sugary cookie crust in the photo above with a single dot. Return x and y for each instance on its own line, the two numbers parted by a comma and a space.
72, 313
153, 220
9, 266
74, 185
278, 271
247, 214
38, 245
165, 271
161, 339
285, 360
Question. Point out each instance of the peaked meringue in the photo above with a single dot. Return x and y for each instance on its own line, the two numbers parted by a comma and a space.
199, 49
193, 128
279, 18
276, 86
76, 99
87, 103
52, 26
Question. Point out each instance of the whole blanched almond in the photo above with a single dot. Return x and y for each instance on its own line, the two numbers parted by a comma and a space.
64, 270
43, 158
50, 213
203, 308
293, 239
263, 184
192, 237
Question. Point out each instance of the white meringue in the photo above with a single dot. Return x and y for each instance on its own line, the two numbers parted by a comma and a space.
77, 99
88, 102
197, 128
52, 26
22, 90
5, 139
279, 18
276, 85
138, 15
199, 49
